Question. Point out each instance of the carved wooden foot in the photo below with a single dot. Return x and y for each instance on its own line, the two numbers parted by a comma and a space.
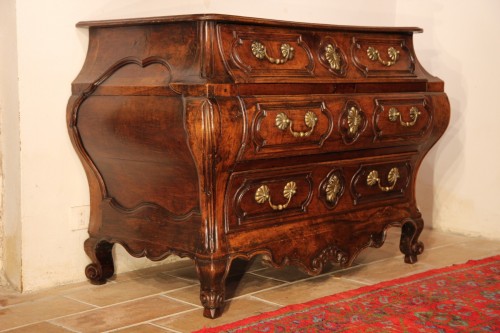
102, 266
409, 245
212, 274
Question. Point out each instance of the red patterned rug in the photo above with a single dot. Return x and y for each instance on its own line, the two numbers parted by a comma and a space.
459, 298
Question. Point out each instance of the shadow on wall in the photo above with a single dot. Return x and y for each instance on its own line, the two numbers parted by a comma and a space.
445, 158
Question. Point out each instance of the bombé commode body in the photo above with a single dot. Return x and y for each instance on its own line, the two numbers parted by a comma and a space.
218, 137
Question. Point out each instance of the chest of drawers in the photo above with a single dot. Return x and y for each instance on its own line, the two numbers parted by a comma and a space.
219, 137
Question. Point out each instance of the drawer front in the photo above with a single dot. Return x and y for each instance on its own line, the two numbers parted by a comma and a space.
400, 119
264, 197
292, 125
383, 57
300, 125
298, 193
265, 53
374, 182
274, 54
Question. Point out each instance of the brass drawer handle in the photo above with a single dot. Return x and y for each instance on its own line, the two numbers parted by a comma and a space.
374, 55
262, 195
260, 52
392, 177
310, 118
394, 115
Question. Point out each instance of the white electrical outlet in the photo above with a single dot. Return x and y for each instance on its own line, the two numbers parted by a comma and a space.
79, 217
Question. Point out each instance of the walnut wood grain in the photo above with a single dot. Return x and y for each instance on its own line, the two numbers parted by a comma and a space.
190, 136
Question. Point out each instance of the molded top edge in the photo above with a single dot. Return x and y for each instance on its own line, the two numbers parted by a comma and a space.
241, 20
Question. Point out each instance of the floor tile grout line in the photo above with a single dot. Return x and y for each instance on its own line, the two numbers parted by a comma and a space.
38, 322
62, 326
266, 301
165, 328
83, 302
181, 288
269, 277
195, 282
181, 301
151, 321
105, 306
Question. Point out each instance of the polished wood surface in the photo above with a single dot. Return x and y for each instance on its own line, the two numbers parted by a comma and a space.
220, 137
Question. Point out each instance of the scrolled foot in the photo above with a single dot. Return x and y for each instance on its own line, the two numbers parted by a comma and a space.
212, 274
213, 303
417, 249
102, 266
94, 273
410, 245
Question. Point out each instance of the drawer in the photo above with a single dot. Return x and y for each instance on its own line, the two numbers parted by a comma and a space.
274, 54
260, 53
317, 124
283, 126
397, 119
383, 57
314, 191
379, 181
258, 197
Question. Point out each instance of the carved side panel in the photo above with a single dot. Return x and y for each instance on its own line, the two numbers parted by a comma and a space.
123, 142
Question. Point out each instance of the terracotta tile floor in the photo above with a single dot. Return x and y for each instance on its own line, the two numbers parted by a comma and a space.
166, 298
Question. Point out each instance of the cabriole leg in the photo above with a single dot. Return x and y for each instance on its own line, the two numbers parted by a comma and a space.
102, 266
409, 245
212, 275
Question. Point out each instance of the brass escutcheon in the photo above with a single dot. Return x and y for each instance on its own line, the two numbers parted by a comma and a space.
354, 120
333, 188
333, 57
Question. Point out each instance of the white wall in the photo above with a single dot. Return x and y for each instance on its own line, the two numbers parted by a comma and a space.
10, 209
51, 52
459, 184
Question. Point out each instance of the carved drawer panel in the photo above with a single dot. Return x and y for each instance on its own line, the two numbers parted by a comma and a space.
314, 191
265, 53
268, 197
382, 57
401, 119
385, 180
280, 126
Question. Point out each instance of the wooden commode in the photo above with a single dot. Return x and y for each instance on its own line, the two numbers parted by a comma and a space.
218, 137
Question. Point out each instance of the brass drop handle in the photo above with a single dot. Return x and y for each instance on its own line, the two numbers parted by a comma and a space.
374, 55
394, 115
283, 122
262, 195
392, 177
260, 52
